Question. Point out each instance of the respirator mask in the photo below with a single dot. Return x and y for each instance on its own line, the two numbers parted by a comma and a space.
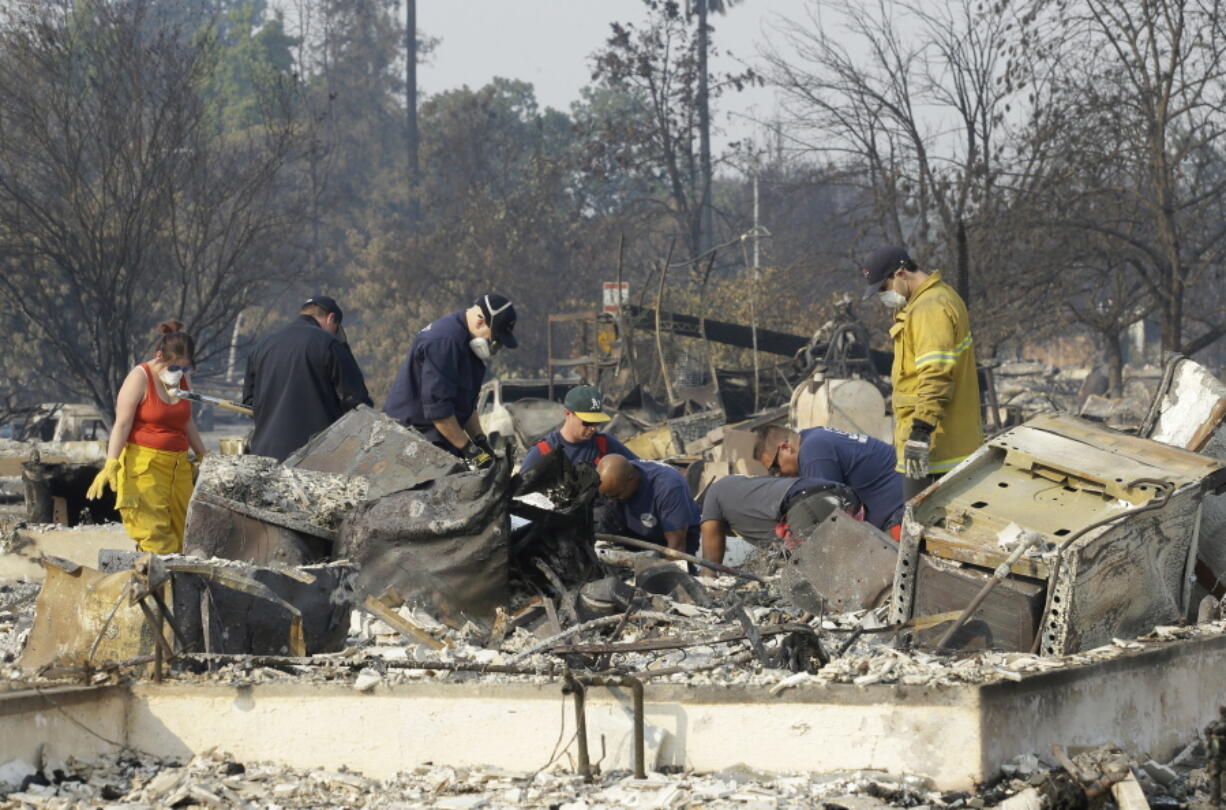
171, 378
891, 299
484, 348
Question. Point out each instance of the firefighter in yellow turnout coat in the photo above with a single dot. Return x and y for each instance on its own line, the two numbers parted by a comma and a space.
936, 384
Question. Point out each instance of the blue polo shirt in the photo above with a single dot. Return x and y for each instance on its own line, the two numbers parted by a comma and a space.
861, 462
662, 503
440, 377
577, 452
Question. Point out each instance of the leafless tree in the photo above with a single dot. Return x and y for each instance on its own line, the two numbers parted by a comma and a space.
921, 124
122, 199
1147, 84
655, 73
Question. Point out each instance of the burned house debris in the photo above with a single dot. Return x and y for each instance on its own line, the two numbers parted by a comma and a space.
1064, 562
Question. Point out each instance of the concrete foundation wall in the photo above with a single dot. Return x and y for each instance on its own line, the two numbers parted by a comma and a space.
1152, 702
518, 726
59, 722
1149, 702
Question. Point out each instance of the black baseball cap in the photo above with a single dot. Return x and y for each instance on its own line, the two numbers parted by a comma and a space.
499, 313
881, 264
326, 304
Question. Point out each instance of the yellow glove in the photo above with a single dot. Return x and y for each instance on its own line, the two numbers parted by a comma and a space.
196, 462
109, 475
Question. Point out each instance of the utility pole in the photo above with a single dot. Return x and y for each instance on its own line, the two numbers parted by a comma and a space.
410, 92
753, 291
756, 263
707, 222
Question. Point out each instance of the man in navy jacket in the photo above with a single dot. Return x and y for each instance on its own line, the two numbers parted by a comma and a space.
300, 379
436, 389
864, 463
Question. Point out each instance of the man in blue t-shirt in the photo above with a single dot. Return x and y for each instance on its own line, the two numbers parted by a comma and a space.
436, 389
651, 501
861, 462
577, 438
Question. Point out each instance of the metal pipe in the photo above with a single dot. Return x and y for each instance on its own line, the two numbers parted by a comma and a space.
219, 402
572, 686
678, 555
577, 684
1155, 406
355, 663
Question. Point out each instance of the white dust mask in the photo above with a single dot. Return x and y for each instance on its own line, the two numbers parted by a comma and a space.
483, 348
892, 299
171, 378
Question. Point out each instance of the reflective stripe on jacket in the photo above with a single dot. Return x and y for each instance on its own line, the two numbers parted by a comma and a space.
934, 375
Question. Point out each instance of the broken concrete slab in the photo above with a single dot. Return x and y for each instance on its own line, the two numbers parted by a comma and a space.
1191, 408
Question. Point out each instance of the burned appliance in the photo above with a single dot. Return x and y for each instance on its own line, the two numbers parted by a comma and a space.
1117, 520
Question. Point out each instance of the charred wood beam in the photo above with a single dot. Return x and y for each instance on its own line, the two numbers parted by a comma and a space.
731, 334
735, 334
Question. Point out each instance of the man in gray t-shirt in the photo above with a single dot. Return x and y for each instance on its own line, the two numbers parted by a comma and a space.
750, 506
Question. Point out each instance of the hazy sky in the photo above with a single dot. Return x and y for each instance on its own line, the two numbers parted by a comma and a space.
548, 42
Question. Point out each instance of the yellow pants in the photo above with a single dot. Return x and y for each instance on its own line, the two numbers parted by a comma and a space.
154, 488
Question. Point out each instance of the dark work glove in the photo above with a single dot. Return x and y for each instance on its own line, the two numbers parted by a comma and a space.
478, 453
915, 451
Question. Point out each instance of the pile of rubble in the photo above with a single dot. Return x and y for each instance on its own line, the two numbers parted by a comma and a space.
16, 617
135, 780
132, 780
664, 640
1029, 388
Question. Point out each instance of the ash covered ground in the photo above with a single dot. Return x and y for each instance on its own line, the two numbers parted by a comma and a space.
135, 780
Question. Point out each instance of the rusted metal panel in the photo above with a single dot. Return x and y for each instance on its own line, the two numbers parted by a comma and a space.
1008, 619
841, 564
367, 443
1121, 581
83, 614
214, 611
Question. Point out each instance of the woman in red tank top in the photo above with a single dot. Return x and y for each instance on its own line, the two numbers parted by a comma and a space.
147, 463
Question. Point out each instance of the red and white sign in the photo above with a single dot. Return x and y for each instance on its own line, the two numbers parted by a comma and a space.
615, 296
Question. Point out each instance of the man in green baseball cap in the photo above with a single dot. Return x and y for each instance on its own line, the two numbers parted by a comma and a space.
577, 438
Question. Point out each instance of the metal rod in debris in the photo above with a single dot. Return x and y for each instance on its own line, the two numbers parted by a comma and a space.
679, 555
219, 402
